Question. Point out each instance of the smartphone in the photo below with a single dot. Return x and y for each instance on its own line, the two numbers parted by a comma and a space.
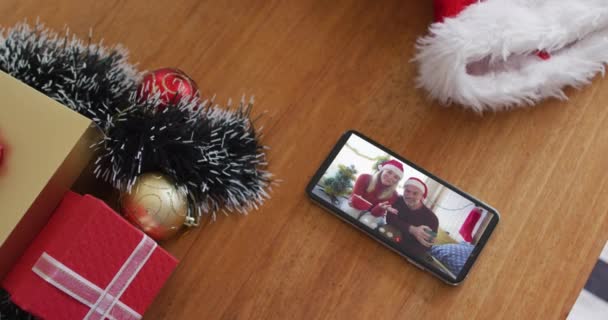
431, 223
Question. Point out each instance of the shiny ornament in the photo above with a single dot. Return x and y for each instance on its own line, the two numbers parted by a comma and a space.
155, 205
170, 84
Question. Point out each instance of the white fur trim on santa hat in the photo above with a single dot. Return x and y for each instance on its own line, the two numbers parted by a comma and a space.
416, 183
507, 33
394, 169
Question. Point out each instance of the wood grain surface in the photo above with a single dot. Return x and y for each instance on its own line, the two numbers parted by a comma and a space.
319, 68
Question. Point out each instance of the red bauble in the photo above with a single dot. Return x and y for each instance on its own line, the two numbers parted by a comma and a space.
172, 84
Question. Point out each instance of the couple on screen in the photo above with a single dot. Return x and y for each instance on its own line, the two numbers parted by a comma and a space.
376, 196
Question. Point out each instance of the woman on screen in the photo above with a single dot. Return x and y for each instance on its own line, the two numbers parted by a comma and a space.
376, 193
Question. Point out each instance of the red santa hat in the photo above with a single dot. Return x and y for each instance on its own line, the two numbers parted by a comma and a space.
498, 54
449, 8
412, 181
393, 165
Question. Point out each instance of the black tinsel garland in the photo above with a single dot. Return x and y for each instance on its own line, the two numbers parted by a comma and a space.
88, 78
213, 154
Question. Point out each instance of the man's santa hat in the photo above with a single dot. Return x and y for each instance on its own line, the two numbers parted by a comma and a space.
498, 54
415, 182
393, 165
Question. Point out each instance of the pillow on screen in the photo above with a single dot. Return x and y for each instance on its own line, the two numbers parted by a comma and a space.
453, 256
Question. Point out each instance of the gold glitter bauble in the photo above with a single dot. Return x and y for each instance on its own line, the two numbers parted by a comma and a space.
155, 205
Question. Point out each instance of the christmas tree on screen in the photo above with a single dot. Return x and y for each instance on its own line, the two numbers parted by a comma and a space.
341, 183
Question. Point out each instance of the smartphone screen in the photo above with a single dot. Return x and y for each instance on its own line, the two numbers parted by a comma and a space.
423, 218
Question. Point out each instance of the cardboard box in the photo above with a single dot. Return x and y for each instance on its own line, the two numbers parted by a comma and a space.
45, 147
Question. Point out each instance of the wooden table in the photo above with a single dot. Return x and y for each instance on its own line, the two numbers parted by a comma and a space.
319, 68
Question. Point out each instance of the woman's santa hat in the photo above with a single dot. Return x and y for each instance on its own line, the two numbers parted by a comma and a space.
498, 54
415, 182
393, 165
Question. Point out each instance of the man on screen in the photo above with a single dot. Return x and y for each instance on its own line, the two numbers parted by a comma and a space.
417, 223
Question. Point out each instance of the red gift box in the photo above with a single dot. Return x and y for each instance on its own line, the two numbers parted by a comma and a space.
88, 262
359, 203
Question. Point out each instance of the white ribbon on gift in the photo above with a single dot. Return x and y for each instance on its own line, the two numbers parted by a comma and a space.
103, 303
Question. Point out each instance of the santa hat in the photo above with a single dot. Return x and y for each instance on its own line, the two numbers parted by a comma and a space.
418, 184
449, 8
498, 54
393, 165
